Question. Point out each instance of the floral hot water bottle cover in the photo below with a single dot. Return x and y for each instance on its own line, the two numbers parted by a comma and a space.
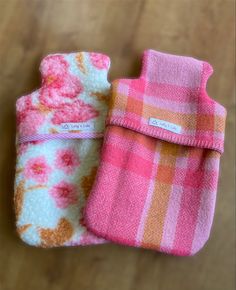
59, 135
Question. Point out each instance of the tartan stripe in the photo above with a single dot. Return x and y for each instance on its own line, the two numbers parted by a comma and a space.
166, 135
171, 218
210, 173
133, 117
131, 136
187, 222
219, 135
118, 157
112, 212
188, 121
148, 200
193, 188
157, 212
125, 211
173, 70
165, 92
206, 208
129, 145
178, 107
155, 221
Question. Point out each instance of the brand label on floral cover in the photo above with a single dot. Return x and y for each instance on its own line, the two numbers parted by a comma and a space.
165, 125
81, 126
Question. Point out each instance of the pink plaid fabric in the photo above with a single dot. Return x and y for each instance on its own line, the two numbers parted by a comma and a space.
157, 180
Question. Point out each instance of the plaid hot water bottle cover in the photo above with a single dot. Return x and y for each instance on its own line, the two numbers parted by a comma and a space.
156, 184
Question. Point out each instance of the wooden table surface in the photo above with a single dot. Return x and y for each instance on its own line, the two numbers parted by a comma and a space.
122, 29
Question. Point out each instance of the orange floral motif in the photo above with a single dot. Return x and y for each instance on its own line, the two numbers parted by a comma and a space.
80, 62
53, 131
100, 61
22, 229
19, 170
57, 236
19, 197
101, 97
39, 186
43, 109
87, 182
50, 79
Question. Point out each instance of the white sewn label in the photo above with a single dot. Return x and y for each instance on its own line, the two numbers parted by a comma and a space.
165, 125
82, 126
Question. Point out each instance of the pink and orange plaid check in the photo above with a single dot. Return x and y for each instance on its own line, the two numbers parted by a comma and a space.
156, 188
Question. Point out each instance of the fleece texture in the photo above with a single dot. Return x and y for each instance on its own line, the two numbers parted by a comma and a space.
156, 184
59, 134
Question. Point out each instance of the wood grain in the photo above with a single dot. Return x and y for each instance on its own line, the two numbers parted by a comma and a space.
122, 29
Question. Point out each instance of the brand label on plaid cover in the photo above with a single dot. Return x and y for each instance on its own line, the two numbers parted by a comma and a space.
82, 126
165, 125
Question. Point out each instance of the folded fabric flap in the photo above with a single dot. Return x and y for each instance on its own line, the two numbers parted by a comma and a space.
174, 113
72, 101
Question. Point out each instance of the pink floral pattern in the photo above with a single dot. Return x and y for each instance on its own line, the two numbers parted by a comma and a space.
100, 61
64, 194
59, 86
62, 98
31, 123
67, 160
23, 106
76, 112
53, 65
37, 169
58, 100
29, 118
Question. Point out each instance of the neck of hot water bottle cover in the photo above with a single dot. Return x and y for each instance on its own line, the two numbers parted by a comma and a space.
170, 102
72, 101
80, 65
180, 71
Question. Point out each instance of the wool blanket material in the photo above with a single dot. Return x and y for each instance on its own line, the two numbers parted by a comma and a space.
157, 181
59, 134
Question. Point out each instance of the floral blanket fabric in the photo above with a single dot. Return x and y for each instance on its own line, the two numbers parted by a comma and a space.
55, 166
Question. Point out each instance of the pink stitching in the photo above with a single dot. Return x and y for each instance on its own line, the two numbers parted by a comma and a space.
44, 137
